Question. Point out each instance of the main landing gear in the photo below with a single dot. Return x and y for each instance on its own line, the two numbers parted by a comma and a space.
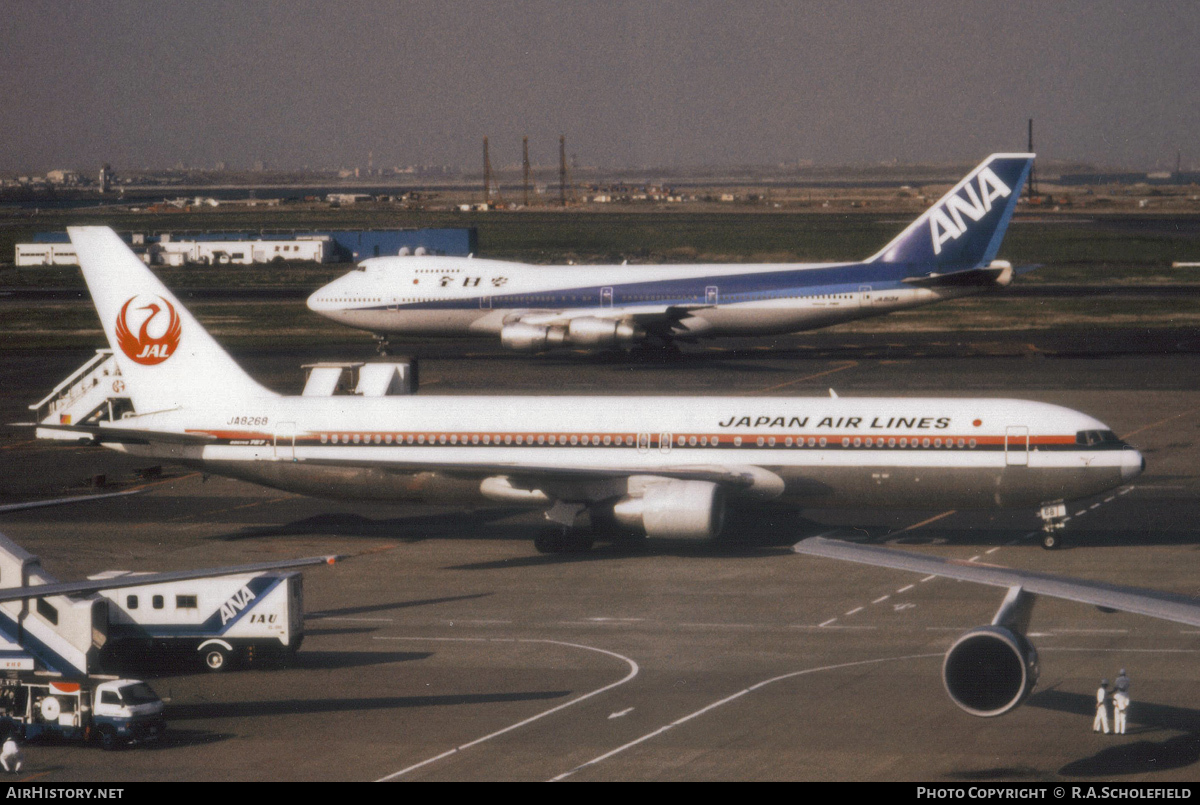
382, 347
1054, 519
561, 535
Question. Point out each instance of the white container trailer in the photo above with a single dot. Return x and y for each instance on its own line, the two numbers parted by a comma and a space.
223, 620
74, 629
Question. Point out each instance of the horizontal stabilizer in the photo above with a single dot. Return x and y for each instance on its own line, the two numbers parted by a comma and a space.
101, 434
971, 278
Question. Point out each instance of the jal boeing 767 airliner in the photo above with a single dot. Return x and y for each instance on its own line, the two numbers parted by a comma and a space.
663, 466
948, 252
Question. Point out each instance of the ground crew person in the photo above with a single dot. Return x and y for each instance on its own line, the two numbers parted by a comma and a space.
1122, 683
1101, 719
1120, 702
10, 756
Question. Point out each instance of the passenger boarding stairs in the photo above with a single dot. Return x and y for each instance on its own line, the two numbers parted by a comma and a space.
92, 393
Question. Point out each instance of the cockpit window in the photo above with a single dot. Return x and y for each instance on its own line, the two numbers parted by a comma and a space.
1091, 438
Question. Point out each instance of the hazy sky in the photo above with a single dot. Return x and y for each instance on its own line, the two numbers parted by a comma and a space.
629, 83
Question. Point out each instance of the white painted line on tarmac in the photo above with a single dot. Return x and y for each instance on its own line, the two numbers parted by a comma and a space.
633, 671
727, 700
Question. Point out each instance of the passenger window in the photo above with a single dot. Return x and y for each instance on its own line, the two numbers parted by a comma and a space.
157, 602
131, 602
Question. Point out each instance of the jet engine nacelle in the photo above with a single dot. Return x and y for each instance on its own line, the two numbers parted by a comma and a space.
990, 670
675, 510
524, 337
592, 332
586, 331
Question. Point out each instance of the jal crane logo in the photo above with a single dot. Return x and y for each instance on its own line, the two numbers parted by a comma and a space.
157, 336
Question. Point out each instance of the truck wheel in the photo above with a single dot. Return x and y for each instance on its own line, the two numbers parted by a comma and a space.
216, 658
108, 738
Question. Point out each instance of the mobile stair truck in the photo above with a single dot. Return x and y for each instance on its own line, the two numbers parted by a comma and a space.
48, 651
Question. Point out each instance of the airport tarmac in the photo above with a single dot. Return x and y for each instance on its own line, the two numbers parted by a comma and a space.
449, 649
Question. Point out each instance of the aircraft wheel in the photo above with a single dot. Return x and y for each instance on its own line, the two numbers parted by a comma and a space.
1051, 541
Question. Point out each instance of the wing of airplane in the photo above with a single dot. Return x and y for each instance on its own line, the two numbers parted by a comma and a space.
141, 579
991, 669
1152, 603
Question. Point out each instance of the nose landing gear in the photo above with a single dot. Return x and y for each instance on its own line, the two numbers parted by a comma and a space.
1054, 519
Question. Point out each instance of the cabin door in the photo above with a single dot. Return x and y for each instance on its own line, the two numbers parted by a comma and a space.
285, 441
711, 295
1016, 446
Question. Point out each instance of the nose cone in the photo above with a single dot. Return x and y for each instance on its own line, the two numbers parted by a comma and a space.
1133, 463
315, 303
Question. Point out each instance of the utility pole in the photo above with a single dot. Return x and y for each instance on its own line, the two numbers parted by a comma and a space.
487, 176
525, 170
562, 170
1032, 179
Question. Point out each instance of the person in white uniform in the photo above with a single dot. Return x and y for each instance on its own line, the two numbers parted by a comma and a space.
1101, 720
10, 756
1120, 704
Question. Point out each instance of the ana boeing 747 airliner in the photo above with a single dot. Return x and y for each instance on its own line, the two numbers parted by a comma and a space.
663, 466
948, 252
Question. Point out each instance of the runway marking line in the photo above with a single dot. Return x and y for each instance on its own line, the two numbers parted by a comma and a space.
850, 365
633, 671
734, 697
1159, 422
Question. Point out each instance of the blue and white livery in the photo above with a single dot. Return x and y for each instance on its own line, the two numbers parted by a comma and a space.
948, 252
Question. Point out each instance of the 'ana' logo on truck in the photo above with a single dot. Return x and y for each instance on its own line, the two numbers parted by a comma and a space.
157, 336
943, 227
236, 604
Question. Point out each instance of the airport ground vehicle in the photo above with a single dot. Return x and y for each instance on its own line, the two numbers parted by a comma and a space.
134, 620
113, 712
225, 620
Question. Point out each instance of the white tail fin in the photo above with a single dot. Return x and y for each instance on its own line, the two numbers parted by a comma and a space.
167, 359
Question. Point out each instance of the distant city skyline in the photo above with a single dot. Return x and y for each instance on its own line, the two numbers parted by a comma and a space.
629, 84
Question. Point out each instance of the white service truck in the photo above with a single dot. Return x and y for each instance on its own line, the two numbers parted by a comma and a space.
114, 712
